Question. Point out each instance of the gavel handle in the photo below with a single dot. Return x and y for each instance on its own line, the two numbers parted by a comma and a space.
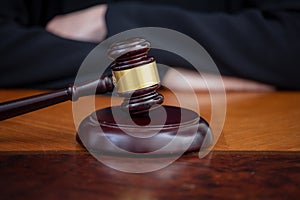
21, 106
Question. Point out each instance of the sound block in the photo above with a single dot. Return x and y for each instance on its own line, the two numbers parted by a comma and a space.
163, 131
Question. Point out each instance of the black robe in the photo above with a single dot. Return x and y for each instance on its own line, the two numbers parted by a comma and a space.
253, 39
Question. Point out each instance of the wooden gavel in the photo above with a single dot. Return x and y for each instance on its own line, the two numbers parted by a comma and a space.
134, 74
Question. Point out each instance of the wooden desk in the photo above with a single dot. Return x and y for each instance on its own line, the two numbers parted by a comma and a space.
257, 155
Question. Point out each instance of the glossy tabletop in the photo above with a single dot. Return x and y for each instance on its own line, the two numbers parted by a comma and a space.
256, 156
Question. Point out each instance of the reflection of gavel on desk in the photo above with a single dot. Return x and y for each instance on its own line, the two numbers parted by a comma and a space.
140, 124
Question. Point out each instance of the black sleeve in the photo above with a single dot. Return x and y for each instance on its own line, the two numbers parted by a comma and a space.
37, 59
31, 57
254, 44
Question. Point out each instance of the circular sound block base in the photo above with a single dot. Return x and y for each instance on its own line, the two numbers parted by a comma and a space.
165, 130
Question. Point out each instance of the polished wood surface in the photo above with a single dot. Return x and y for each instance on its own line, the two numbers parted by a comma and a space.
220, 175
257, 155
254, 122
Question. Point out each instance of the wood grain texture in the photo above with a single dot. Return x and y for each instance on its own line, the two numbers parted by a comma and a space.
254, 122
257, 155
220, 175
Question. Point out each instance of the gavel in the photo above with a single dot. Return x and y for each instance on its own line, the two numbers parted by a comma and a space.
136, 78
138, 89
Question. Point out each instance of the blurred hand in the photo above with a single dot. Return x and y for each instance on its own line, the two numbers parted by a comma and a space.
185, 80
84, 25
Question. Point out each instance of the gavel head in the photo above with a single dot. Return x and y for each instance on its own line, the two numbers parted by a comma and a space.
135, 75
